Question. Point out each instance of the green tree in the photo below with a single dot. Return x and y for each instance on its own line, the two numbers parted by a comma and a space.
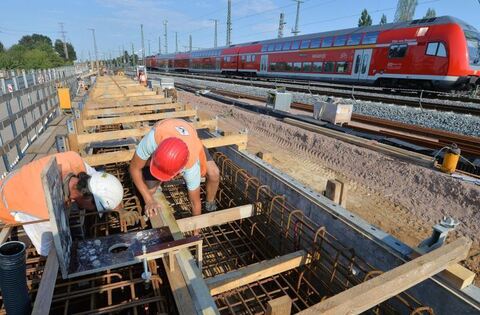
430, 13
2, 48
35, 40
383, 20
365, 19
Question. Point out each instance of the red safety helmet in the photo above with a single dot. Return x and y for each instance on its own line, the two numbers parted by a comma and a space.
169, 159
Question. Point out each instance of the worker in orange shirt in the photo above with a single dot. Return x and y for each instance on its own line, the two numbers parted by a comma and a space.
22, 197
173, 147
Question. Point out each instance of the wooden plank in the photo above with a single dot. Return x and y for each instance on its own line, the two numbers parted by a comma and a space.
5, 234
264, 269
137, 118
127, 155
239, 139
44, 296
458, 276
279, 306
192, 275
112, 104
127, 133
131, 109
215, 218
366, 295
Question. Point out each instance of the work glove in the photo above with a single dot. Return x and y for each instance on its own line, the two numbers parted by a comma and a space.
128, 218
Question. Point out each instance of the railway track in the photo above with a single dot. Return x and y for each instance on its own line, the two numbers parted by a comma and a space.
400, 97
426, 137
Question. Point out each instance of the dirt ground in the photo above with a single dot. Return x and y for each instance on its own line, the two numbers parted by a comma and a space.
402, 199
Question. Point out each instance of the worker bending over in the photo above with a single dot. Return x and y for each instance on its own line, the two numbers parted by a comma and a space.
173, 147
23, 198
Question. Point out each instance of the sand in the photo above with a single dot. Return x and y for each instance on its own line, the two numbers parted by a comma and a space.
403, 199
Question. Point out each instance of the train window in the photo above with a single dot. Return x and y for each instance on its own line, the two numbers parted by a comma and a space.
307, 67
432, 49
329, 66
397, 50
249, 58
272, 66
340, 40
327, 42
317, 66
264, 48
271, 47
286, 46
370, 38
253, 58
278, 46
295, 45
243, 58
354, 39
281, 66
297, 66
305, 44
315, 43
288, 66
342, 67
441, 52
357, 64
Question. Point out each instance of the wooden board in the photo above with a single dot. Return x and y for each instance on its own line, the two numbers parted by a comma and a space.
127, 155
264, 269
215, 218
112, 104
43, 300
279, 306
366, 295
137, 118
135, 133
131, 109
192, 275
53, 189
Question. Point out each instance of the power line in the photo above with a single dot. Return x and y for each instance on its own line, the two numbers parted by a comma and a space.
62, 31
229, 23
281, 24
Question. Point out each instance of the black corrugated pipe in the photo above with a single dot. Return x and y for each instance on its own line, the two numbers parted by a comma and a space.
13, 281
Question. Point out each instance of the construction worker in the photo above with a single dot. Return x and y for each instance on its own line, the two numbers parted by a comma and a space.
22, 197
142, 78
173, 147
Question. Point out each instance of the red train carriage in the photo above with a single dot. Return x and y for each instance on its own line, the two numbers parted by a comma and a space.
440, 52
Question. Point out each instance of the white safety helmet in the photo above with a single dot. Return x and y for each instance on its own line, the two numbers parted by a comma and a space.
106, 190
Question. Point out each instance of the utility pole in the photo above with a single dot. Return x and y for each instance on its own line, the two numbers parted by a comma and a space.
149, 53
281, 24
229, 23
123, 54
133, 56
95, 50
176, 42
62, 31
295, 31
165, 38
143, 45
159, 45
190, 43
215, 21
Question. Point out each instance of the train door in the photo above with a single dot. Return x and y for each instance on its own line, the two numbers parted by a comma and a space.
264, 63
361, 63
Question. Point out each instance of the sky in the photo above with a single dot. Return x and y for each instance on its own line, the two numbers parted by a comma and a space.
117, 22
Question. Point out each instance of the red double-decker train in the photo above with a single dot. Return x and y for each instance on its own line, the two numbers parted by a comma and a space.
433, 53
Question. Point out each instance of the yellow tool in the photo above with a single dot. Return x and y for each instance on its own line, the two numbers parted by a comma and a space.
450, 159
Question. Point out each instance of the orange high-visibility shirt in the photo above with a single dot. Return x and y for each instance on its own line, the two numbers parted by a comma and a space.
23, 190
181, 129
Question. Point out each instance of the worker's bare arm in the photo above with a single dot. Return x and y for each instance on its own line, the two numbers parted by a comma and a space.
136, 166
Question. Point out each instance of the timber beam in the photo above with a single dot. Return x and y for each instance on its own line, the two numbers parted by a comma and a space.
366, 295
130, 109
151, 101
255, 272
124, 156
215, 218
137, 118
86, 138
